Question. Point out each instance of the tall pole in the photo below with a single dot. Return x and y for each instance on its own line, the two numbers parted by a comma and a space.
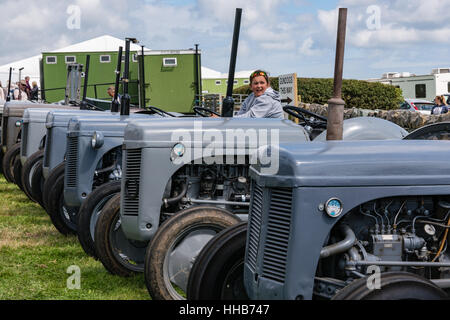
115, 103
83, 103
125, 103
20, 79
142, 80
197, 80
86, 76
8, 97
336, 104
228, 102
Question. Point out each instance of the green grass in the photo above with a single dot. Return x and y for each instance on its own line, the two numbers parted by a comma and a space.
34, 258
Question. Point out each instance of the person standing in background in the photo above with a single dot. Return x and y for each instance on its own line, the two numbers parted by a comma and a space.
439, 105
2, 92
28, 87
34, 93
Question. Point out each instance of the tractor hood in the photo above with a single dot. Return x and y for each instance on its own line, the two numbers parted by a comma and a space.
18, 109
357, 163
60, 118
198, 131
39, 115
110, 124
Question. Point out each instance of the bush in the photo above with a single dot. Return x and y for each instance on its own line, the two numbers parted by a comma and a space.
355, 93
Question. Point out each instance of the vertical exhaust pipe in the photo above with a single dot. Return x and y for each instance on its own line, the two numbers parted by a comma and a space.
84, 104
86, 77
197, 78
336, 104
142, 79
115, 103
8, 97
125, 103
228, 102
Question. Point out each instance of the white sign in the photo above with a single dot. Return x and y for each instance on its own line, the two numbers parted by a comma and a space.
287, 84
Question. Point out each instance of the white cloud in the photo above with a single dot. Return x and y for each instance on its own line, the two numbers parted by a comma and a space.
307, 48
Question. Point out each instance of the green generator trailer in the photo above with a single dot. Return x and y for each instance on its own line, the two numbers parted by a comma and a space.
168, 79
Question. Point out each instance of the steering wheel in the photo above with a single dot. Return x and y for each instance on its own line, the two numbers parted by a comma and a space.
203, 112
315, 120
160, 111
84, 104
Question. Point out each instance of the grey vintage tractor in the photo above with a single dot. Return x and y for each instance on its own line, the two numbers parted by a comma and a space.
106, 132
12, 118
93, 155
44, 132
11, 135
130, 220
339, 220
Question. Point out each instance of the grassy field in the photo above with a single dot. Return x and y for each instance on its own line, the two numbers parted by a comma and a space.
34, 258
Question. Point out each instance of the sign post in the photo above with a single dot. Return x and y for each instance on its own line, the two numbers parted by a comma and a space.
287, 84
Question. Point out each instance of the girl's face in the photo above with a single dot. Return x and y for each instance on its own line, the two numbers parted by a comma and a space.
259, 85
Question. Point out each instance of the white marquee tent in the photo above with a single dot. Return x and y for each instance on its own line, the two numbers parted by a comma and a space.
31, 65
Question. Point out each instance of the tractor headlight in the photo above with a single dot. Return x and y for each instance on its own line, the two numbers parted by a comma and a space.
177, 151
97, 140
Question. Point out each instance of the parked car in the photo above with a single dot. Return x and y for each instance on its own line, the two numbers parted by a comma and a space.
422, 106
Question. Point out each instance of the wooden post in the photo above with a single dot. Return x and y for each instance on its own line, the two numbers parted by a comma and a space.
336, 104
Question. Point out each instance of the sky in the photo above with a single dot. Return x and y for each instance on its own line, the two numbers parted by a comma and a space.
280, 36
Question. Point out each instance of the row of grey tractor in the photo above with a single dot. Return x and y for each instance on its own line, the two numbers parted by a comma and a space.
193, 202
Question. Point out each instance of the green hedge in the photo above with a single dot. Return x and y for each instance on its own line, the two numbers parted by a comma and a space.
356, 93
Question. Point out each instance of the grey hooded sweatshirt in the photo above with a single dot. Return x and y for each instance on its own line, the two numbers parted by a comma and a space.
267, 105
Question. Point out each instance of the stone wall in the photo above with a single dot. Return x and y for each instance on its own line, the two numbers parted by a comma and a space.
404, 118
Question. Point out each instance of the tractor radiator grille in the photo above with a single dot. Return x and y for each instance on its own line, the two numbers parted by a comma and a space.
23, 147
255, 221
132, 179
48, 142
72, 159
277, 237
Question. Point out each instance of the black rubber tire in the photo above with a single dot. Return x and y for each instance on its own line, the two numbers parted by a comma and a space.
50, 181
172, 233
91, 205
37, 183
17, 173
8, 162
393, 286
28, 169
104, 237
1, 158
220, 261
56, 208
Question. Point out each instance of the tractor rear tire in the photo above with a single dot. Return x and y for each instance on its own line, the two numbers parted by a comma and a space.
17, 173
393, 286
28, 169
50, 181
119, 255
37, 183
218, 270
89, 213
8, 162
1, 159
187, 231
58, 212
